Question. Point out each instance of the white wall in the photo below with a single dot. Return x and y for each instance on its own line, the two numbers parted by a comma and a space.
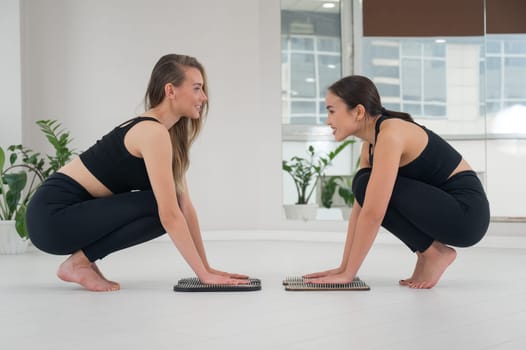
10, 90
87, 65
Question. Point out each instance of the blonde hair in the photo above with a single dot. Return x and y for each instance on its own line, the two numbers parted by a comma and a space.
170, 69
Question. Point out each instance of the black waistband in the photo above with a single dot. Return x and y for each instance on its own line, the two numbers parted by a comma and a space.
67, 183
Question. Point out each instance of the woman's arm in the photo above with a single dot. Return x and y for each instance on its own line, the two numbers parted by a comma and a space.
152, 141
192, 221
387, 154
351, 227
190, 215
355, 213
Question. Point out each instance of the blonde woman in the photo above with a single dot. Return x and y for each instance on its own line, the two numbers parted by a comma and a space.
130, 186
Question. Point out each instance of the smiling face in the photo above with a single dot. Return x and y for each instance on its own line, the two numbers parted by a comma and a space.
190, 96
343, 121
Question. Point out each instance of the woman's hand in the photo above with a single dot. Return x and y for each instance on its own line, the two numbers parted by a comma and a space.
338, 278
212, 278
331, 272
227, 274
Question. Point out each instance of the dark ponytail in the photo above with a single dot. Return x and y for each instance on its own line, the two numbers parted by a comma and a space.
401, 115
357, 89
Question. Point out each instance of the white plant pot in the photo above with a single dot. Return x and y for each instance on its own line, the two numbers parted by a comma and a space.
10, 241
346, 212
303, 212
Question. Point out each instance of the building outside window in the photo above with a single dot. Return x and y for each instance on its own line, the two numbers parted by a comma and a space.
311, 61
470, 89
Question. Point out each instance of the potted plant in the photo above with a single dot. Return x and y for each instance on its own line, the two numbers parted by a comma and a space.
305, 173
21, 172
342, 184
328, 188
12, 183
345, 192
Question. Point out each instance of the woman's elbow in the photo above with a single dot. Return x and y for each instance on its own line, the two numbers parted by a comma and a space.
184, 203
373, 215
169, 218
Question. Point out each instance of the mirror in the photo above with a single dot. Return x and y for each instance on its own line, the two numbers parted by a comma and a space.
470, 88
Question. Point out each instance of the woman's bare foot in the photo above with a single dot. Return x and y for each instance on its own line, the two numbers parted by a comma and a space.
416, 273
78, 269
436, 259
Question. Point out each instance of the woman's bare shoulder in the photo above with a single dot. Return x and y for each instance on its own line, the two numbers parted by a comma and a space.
399, 130
144, 135
410, 138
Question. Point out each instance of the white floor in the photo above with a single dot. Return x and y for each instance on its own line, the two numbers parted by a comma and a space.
479, 304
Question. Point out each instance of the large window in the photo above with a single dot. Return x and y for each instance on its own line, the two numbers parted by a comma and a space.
506, 72
310, 58
465, 84
410, 74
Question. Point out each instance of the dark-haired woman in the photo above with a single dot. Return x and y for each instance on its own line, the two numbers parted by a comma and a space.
411, 181
130, 187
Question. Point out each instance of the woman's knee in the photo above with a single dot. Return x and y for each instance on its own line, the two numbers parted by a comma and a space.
466, 239
359, 184
51, 245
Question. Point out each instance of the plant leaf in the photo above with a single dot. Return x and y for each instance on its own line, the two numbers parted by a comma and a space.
20, 222
2, 161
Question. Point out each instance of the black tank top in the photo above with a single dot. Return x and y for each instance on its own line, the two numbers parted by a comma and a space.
111, 163
434, 165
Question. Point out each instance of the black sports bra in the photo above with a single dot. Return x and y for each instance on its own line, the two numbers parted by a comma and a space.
434, 165
111, 163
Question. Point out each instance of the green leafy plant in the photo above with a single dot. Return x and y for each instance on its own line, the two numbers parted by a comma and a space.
60, 139
345, 191
342, 184
328, 188
345, 187
307, 171
15, 189
22, 170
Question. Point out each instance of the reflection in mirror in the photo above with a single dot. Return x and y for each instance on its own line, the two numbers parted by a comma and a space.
311, 60
434, 73
506, 114
506, 83
438, 80
470, 88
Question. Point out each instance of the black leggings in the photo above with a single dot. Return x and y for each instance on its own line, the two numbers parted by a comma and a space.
456, 213
62, 218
